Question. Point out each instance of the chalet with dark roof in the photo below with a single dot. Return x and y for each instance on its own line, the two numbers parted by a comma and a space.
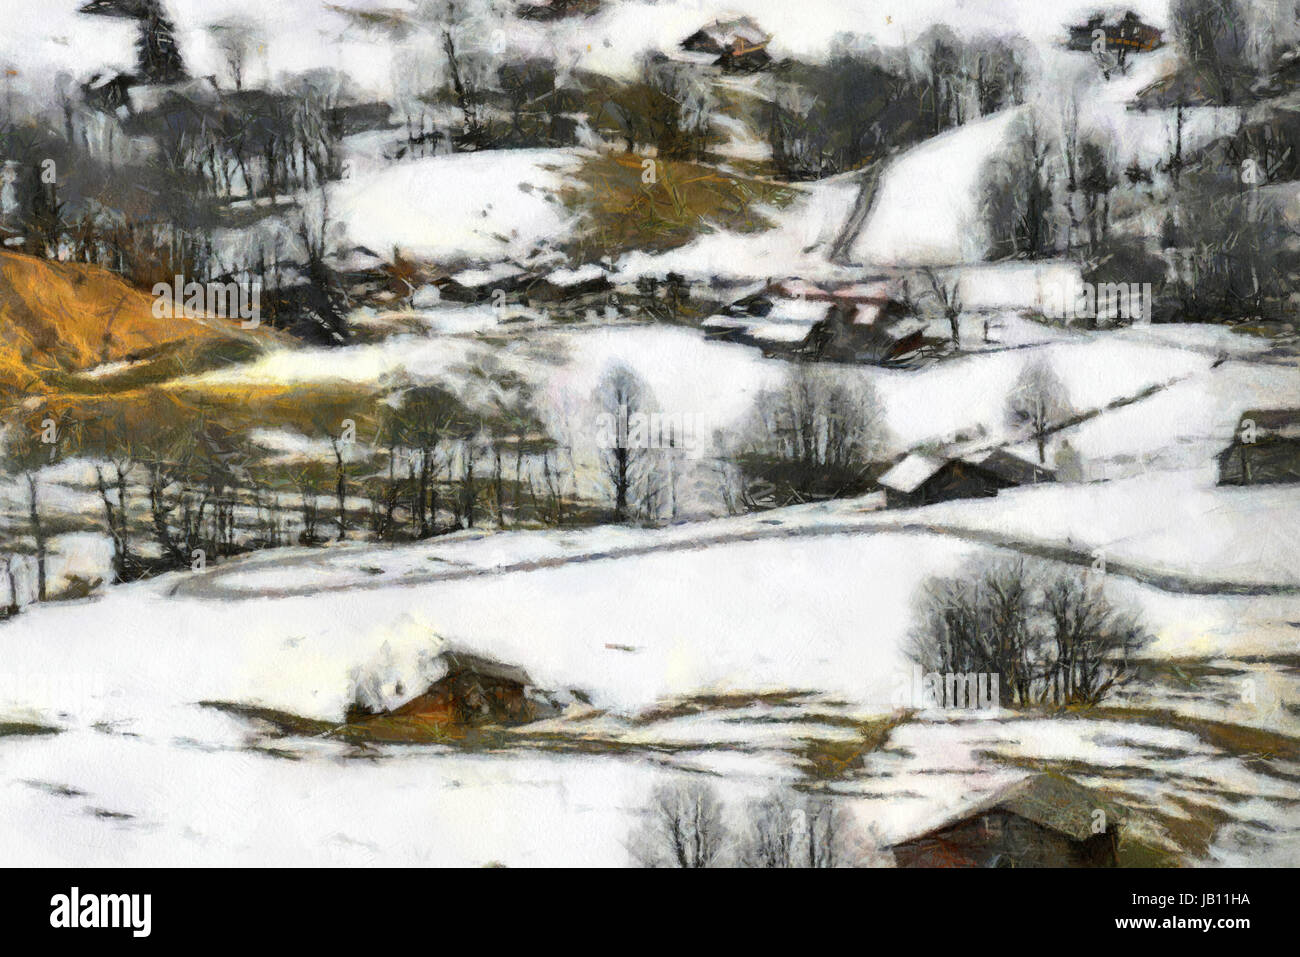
1047, 820
1265, 449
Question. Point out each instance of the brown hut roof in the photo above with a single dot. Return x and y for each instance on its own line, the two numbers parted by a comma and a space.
1049, 800
460, 662
1013, 468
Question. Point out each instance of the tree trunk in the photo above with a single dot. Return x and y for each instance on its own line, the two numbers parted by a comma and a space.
38, 535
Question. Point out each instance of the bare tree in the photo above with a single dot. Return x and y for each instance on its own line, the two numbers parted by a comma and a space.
1019, 183
621, 398
236, 38
1214, 35
684, 827
977, 622
12, 607
786, 831
816, 436
1047, 635
948, 296
1092, 642
1040, 401
35, 439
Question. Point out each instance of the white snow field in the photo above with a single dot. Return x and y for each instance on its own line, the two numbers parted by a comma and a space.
468, 206
762, 650
628, 618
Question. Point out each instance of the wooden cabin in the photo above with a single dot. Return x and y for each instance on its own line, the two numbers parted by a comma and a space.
1127, 34
726, 35
926, 479
1047, 820
473, 691
880, 331
1265, 449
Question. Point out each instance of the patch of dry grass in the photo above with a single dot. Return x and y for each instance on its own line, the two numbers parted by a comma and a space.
621, 211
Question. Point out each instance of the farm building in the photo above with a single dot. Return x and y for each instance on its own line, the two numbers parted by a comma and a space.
880, 331
1126, 35
1265, 449
473, 691
724, 34
925, 479
1047, 820
856, 323
738, 42
557, 9
777, 317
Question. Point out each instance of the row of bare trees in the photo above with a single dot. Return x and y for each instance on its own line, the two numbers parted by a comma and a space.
687, 825
1050, 637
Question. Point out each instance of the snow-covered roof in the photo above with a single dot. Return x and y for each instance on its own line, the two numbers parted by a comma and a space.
725, 29
908, 474
1050, 800
572, 277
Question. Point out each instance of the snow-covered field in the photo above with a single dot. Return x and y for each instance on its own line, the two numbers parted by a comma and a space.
763, 650
471, 206
140, 772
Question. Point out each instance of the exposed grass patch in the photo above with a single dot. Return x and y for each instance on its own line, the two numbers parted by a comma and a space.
421, 730
22, 729
58, 320
826, 759
160, 364
1241, 741
623, 212
725, 701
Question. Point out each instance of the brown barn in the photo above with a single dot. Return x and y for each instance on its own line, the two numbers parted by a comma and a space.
1046, 820
1265, 449
1126, 35
474, 691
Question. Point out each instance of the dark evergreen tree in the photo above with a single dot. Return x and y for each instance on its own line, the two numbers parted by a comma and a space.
157, 51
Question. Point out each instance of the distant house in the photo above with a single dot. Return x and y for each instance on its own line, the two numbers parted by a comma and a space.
473, 691
855, 323
1126, 35
569, 285
920, 479
722, 34
925, 479
738, 42
1047, 820
777, 318
1265, 449
879, 330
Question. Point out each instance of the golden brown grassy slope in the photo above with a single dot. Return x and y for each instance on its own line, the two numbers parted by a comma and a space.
60, 319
